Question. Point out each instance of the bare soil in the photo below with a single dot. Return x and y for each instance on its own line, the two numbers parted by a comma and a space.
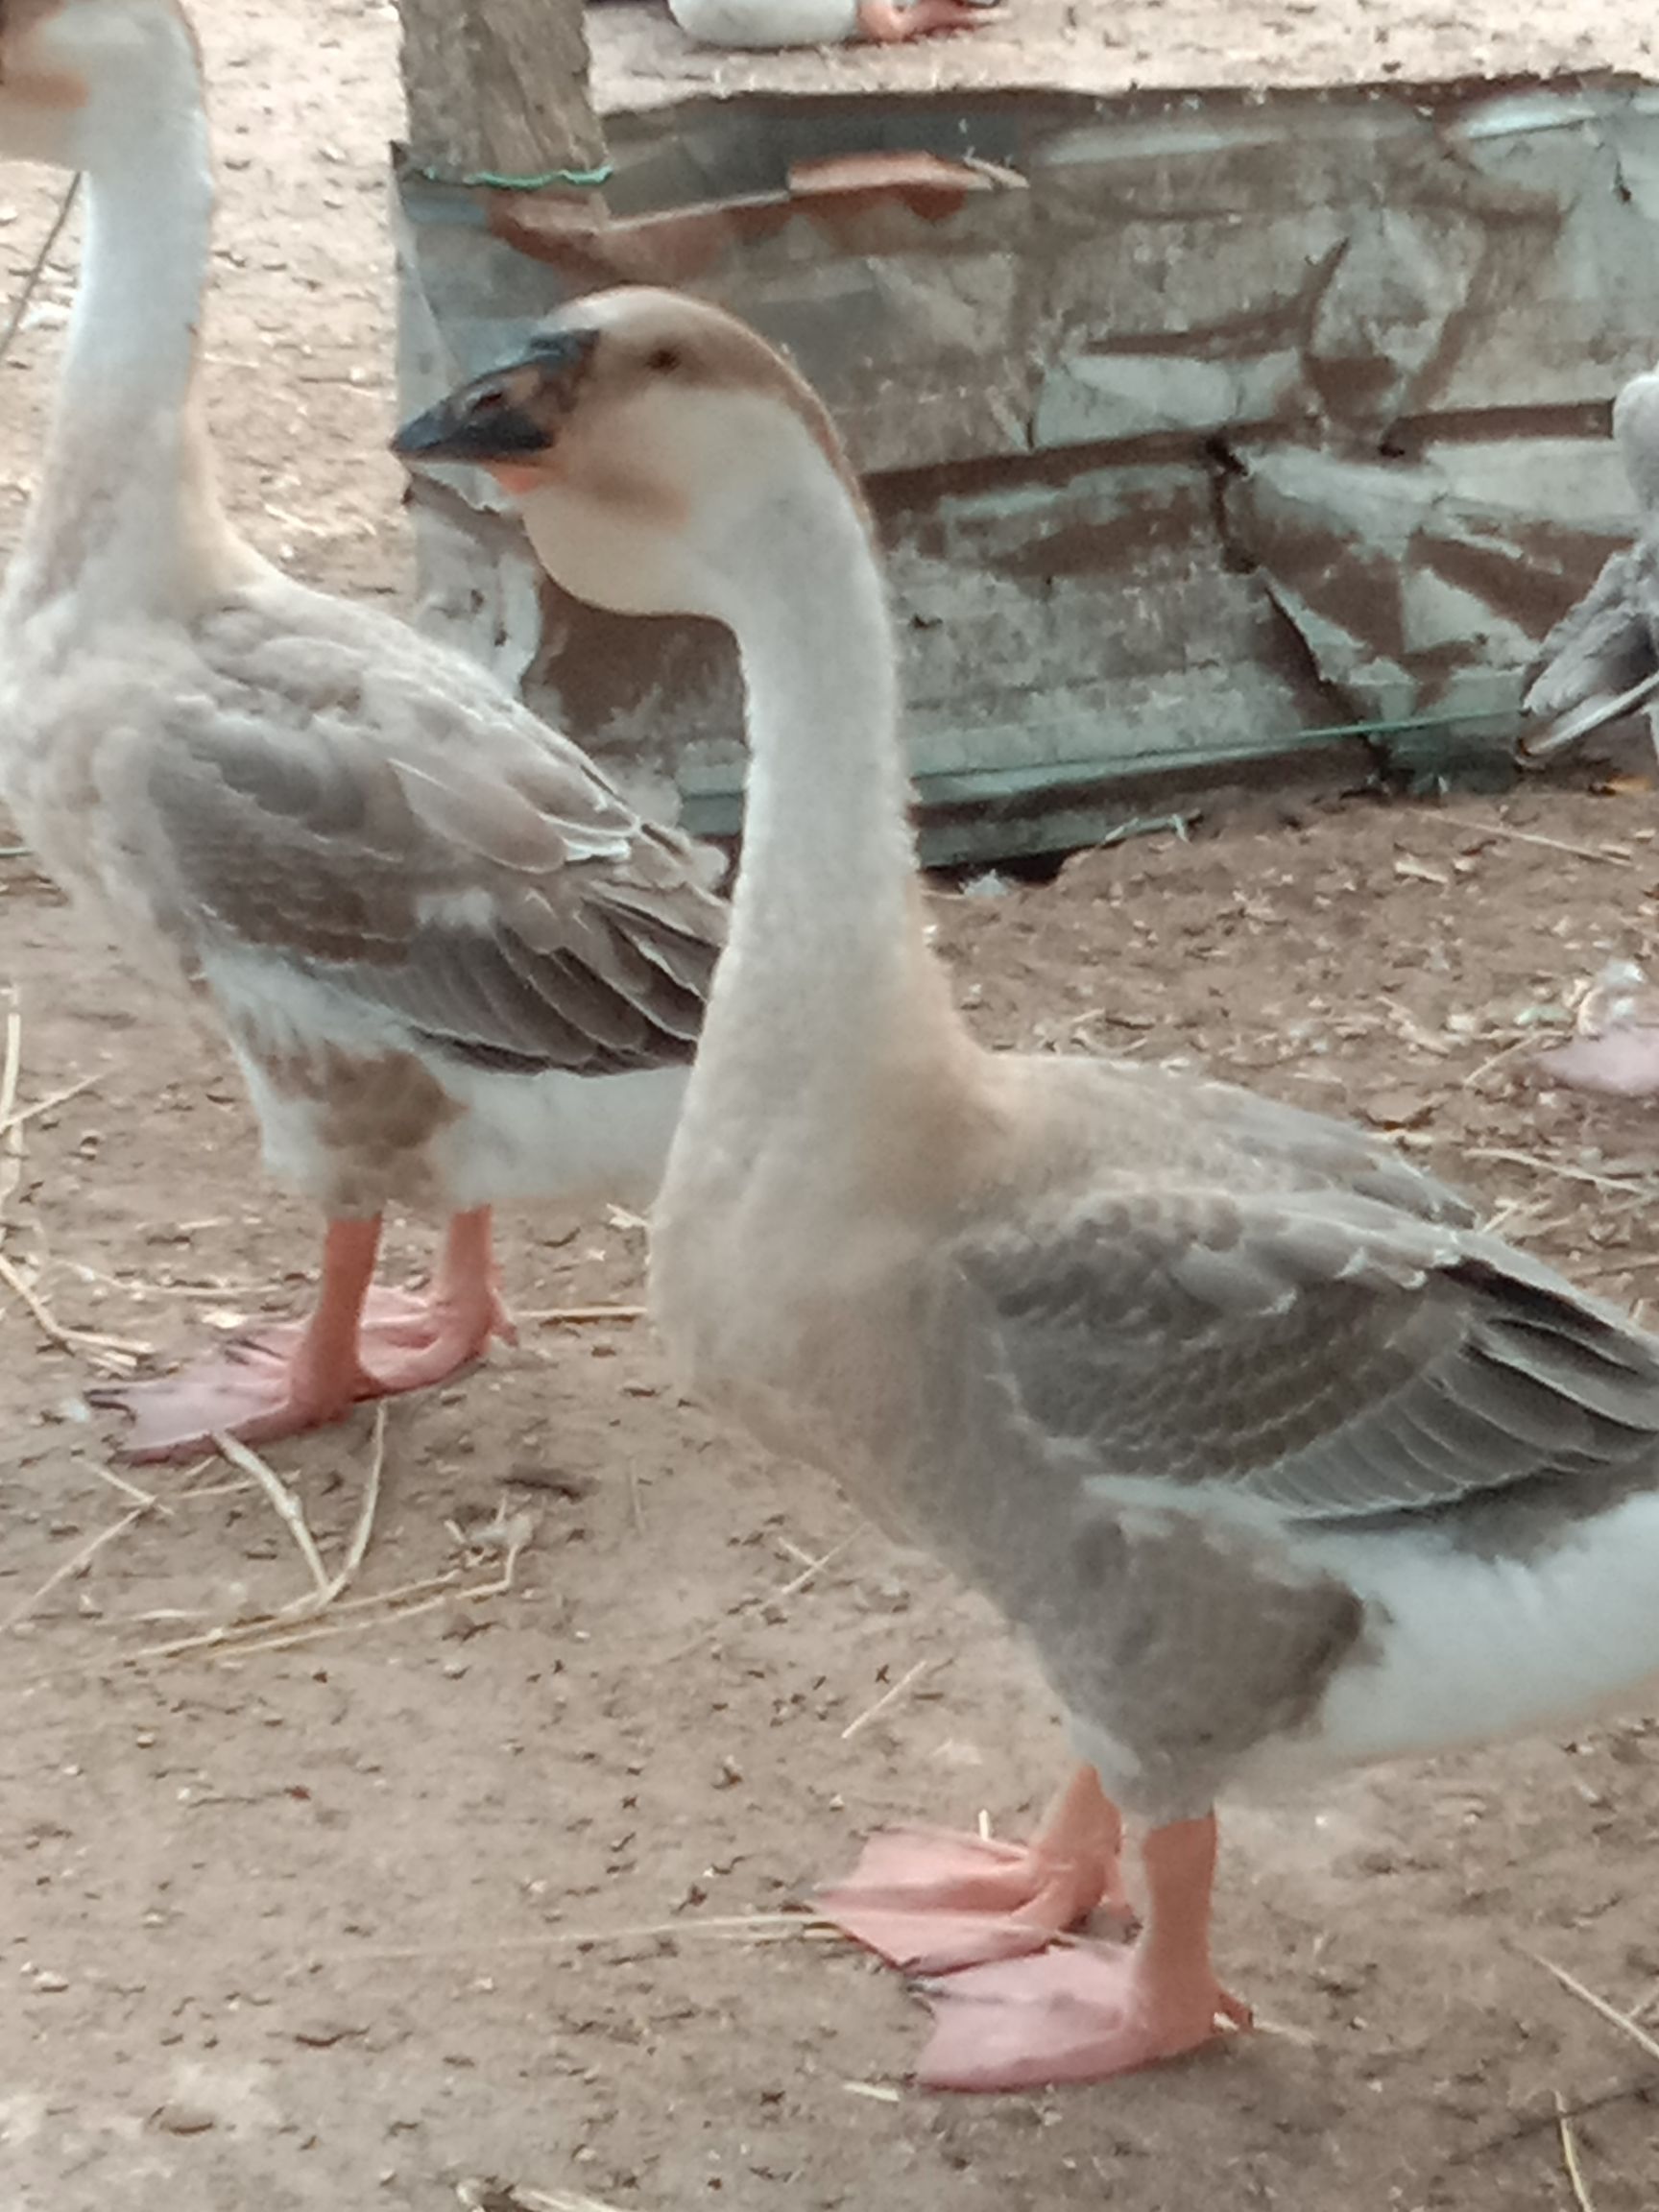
640, 58
419, 1895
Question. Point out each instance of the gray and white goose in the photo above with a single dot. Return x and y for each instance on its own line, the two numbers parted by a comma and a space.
1282, 1464
455, 967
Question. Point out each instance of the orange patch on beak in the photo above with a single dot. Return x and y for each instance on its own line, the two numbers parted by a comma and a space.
517, 480
44, 88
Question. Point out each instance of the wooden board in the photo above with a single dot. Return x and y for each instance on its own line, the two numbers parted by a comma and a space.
498, 88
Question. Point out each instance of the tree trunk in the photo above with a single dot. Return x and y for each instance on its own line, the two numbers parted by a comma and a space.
498, 89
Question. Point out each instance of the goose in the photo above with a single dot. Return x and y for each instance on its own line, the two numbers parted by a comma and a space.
454, 966
778, 23
1602, 660
1280, 1462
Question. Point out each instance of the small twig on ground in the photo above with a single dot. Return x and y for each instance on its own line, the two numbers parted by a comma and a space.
809, 1573
10, 1128
1470, 825
145, 1498
729, 1927
1569, 2157
300, 1621
329, 1588
1510, 1216
1614, 1264
346, 1573
1609, 2013
549, 1316
153, 1287
473, 1595
1547, 2116
74, 1565
233, 1637
32, 274
510, 2197
12, 1064
10, 1119
1503, 1155
116, 1355
1502, 1058
1412, 1030
889, 1697
288, 1507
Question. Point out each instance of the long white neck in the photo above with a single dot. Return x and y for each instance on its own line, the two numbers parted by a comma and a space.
826, 968
126, 518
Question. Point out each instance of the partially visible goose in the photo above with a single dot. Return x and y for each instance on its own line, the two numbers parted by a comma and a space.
775, 23
1280, 1462
455, 967
1599, 663
1602, 660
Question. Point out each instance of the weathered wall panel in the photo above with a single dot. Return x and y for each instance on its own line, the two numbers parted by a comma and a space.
1190, 421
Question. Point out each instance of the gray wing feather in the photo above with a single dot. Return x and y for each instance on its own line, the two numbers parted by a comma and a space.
448, 862
1244, 1136
1317, 1353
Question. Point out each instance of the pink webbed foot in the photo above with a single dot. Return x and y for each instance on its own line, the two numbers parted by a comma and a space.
1623, 1062
357, 1343
888, 23
249, 1390
1078, 2012
270, 1384
927, 1900
407, 1339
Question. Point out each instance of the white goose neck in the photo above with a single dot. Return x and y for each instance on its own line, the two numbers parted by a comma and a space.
126, 518
824, 915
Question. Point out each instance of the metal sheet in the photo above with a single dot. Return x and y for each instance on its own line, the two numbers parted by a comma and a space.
1193, 422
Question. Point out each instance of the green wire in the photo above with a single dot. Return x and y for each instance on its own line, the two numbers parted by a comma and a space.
586, 179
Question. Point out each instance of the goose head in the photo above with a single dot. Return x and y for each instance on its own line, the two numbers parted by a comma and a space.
77, 77
652, 444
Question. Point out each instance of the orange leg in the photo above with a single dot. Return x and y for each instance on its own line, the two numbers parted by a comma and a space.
927, 1900
1081, 2012
886, 22
410, 1339
356, 1344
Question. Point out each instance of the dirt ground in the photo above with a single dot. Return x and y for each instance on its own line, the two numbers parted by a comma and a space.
443, 1885
640, 59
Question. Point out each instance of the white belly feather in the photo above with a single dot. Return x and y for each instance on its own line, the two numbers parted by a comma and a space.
1466, 1650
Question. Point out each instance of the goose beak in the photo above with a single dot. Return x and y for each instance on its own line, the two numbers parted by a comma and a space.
511, 415
456, 430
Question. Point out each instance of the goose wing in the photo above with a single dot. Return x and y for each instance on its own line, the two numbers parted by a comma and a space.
413, 840
1319, 1356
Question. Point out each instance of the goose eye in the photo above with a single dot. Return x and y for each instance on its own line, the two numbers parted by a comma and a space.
663, 360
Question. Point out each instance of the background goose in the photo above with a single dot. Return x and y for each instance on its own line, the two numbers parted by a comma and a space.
1602, 660
1282, 1464
454, 966
775, 23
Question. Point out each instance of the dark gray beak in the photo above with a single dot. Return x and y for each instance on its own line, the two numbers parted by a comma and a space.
510, 414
